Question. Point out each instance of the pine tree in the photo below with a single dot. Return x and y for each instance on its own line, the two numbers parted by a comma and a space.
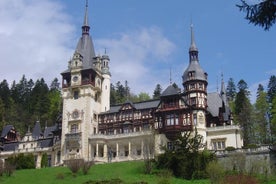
231, 90
271, 88
261, 116
243, 111
261, 13
273, 119
157, 91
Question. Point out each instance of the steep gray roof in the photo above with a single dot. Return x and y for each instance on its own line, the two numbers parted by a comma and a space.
198, 72
86, 48
48, 131
194, 67
147, 104
170, 90
6, 130
214, 102
85, 45
37, 130
138, 105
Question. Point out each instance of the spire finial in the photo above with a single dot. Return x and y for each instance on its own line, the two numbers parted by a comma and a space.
85, 27
170, 75
193, 45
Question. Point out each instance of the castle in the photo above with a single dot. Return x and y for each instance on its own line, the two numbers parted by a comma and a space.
91, 129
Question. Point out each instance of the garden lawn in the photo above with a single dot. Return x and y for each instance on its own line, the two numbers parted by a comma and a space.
129, 172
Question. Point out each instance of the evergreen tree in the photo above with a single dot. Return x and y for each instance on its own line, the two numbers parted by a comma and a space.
271, 88
5, 93
262, 13
261, 116
271, 94
55, 85
231, 90
273, 119
260, 89
243, 111
157, 91
40, 102
55, 100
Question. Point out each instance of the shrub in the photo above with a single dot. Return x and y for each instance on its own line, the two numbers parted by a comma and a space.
74, 165
215, 172
22, 161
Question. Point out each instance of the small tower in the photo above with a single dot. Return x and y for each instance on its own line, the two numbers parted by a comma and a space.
195, 89
106, 83
85, 93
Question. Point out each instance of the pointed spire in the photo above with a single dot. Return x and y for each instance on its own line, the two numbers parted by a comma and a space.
223, 91
193, 45
193, 52
170, 75
85, 27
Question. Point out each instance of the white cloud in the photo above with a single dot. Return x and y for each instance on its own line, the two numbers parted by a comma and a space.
35, 39
138, 56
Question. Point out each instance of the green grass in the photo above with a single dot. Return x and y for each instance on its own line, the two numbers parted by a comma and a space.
129, 172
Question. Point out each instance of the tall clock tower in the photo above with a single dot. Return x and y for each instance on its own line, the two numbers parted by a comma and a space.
195, 90
85, 94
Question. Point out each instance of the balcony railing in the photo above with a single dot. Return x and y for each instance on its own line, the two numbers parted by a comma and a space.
123, 135
225, 127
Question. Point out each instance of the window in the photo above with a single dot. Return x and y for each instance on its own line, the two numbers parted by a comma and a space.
74, 128
192, 86
200, 86
169, 119
76, 95
176, 119
193, 101
195, 119
218, 144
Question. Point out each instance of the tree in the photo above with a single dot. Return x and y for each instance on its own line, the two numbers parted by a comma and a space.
55, 85
231, 89
273, 118
261, 116
260, 89
271, 88
5, 93
184, 158
157, 91
243, 111
261, 14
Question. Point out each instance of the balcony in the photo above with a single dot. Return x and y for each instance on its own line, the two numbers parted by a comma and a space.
120, 136
221, 128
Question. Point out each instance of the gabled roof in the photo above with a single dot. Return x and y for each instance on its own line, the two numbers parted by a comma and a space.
6, 130
48, 131
170, 91
214, 102
37, 130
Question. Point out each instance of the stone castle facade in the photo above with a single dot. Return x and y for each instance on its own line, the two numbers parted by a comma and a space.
91, 129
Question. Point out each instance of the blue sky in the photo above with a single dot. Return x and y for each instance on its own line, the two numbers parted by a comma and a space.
144, 39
